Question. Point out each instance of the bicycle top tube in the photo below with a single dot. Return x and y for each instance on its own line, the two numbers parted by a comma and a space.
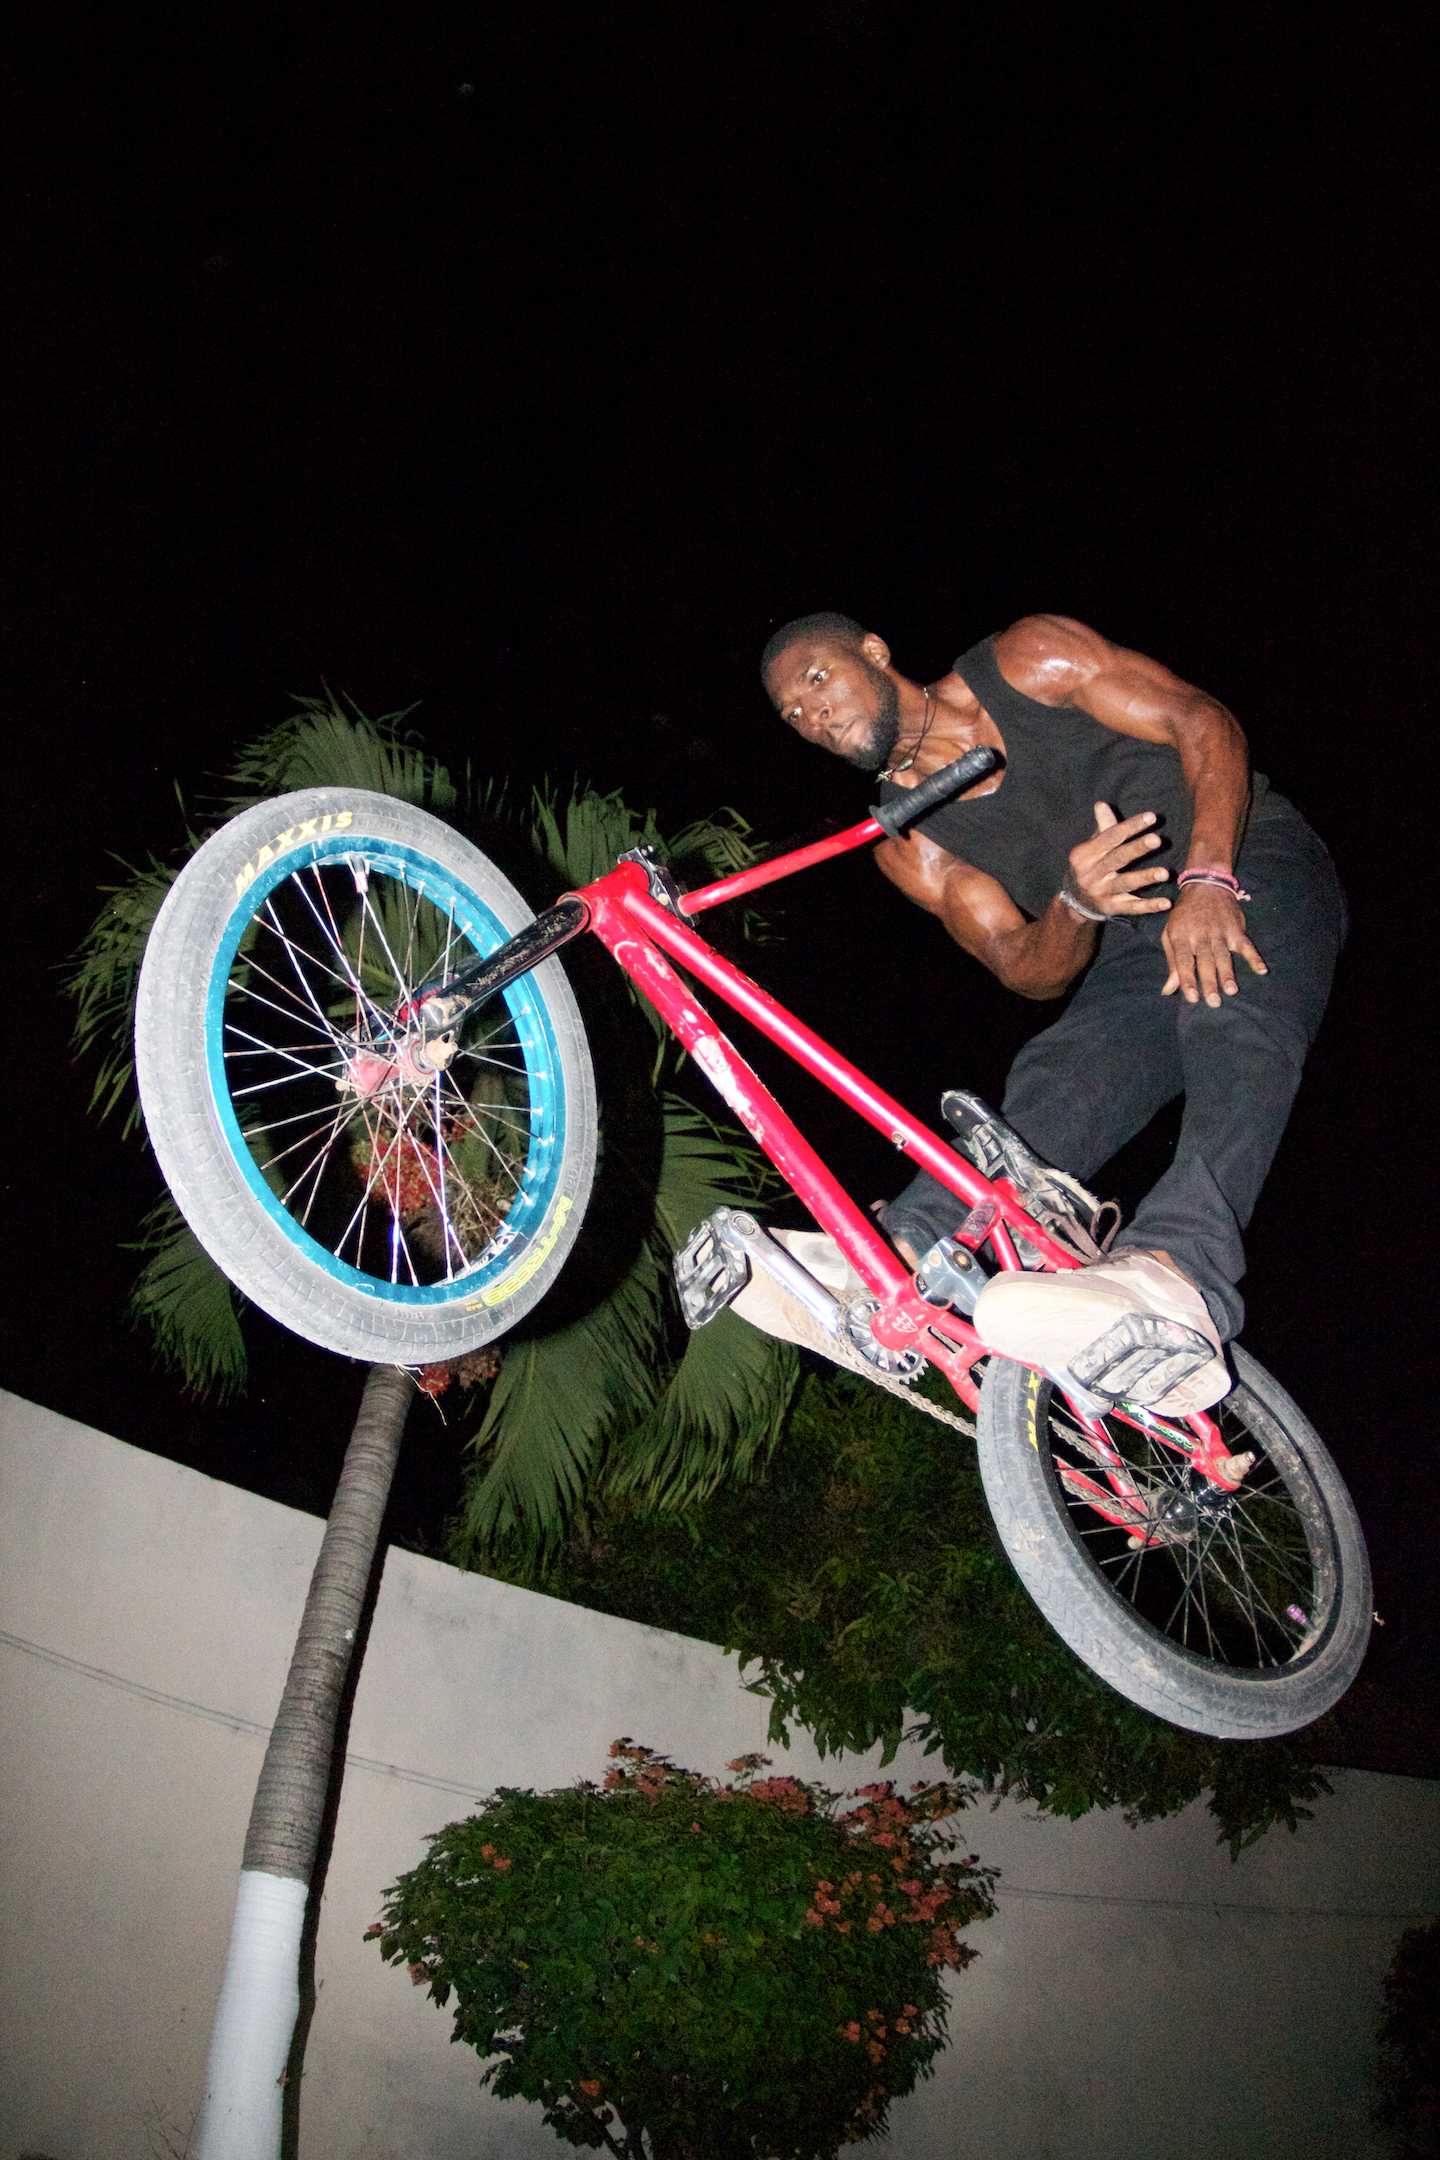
883, 823
801, 858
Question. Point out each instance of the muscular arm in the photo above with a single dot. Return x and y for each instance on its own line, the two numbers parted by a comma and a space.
1036, 959
1063, 662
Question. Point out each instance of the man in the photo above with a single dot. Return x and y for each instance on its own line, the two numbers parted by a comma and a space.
1126, 847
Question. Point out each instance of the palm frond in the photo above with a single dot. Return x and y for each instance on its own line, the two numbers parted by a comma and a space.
705, 1165
323, 745
596, 829
719, 1417
556, 1401
720, 843
187, 1306
102, 980
726, 1399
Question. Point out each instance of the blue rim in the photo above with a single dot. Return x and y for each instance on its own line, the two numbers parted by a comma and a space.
502, 1268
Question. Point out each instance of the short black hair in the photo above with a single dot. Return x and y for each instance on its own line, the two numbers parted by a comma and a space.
835, 629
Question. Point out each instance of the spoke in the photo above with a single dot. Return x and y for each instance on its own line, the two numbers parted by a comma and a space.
274, 1125
403, 993
449, 940
450, 1234
1245, 1598
353, 979
289, 1079
329, 928
1232, 1562
265, 1050
246, 990
290, 953
411, 911
337, 942
1192, 1579
428, 1146
273, 1050
322, 1157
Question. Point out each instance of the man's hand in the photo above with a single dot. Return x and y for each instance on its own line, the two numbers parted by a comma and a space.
1206, 927
1099, 872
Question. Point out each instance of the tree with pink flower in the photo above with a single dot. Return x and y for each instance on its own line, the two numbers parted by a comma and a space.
683, 1968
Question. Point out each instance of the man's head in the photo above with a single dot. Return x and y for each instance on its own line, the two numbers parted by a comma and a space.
831, 681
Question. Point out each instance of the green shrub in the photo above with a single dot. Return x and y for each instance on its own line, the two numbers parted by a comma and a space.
731, 1971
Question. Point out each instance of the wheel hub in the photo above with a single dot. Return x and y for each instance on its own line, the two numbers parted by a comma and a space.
1177, 1515
412, 1061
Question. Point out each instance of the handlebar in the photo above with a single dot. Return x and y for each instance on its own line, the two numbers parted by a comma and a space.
977, 764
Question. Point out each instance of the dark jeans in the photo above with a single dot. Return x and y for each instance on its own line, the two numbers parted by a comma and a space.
1120, 1052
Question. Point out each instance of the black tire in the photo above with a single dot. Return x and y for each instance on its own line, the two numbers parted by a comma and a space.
397, 1222
1250, 1619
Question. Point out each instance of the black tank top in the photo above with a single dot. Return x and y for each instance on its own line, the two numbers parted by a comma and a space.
1058, 764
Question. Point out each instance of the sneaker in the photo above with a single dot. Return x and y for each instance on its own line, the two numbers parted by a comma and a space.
1132, 1327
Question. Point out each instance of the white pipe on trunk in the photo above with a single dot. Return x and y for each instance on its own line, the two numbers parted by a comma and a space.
254, 2022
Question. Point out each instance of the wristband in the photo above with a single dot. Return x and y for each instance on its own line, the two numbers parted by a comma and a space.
1222, 878
1078, 907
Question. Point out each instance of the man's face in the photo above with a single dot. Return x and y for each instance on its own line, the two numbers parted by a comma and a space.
840, 699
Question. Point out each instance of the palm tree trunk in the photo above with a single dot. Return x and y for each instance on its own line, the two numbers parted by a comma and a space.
259, 2000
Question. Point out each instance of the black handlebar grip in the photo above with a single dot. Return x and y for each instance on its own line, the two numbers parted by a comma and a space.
977, 764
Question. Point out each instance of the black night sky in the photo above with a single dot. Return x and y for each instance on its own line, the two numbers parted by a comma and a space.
533, 364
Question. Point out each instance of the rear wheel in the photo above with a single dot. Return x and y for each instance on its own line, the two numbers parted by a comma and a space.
375, 1205
1242, 1615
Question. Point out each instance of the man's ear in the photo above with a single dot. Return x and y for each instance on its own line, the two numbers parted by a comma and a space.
875, 649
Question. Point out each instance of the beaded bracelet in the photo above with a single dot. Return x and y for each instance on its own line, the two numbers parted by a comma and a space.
1222, 878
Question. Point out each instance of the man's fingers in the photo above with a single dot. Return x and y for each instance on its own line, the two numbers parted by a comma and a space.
1246, 950
1216, 974
1182, 967
1104, 816
1132, 880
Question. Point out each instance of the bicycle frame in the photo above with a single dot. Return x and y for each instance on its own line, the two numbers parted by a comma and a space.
641, 922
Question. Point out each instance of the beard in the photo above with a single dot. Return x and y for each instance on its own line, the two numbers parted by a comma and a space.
876, 751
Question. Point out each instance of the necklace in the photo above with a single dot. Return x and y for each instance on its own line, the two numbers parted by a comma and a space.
905, 763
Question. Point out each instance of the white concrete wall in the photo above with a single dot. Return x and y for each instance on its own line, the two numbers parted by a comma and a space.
1138, 1998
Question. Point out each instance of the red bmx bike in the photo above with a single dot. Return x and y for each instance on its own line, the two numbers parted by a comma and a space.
368, 1085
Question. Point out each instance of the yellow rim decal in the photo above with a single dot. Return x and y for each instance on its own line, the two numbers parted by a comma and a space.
538, 1255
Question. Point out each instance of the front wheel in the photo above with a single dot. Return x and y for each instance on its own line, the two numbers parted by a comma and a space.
377, 1206
1243, 1615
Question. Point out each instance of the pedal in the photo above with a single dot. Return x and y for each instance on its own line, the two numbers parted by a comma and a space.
1058, 1202
948, 1276
711, 1269
977, 1226
1141, 1356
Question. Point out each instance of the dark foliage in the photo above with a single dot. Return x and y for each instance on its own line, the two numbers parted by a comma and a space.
1410, 2044
864, 1579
